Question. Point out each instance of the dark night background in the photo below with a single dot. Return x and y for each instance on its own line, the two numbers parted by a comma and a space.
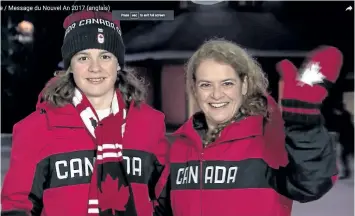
308, 25
270, 31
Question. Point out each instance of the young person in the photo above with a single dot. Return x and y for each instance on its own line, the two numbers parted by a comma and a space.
92, 147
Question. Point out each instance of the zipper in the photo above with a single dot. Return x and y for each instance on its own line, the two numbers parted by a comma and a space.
201, 178
201, 156
201, 159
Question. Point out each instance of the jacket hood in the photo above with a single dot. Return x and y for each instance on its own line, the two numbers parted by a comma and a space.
65, 116
249, 126
245, 127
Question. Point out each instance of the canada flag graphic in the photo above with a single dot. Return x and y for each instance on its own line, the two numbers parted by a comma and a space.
100, 38
113, 199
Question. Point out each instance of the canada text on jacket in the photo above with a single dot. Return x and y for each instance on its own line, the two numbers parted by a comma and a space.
73, 168
219, 174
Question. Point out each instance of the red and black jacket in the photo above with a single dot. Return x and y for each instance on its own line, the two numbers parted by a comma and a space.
52, 160
247, 170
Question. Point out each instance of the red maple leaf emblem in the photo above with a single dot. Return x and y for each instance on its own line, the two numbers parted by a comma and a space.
112, 197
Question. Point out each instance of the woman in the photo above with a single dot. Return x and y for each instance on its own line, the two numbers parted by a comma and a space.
229, 159
92, 147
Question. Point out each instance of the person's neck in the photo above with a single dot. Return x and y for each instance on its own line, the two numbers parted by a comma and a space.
210, 127
100, 103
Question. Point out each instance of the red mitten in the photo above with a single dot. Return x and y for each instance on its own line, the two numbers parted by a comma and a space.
304, 91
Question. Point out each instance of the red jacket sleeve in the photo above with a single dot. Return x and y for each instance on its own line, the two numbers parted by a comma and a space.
159, 180
23, 184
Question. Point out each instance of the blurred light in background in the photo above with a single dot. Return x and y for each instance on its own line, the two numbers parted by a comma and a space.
25, 30
25, 27
207, 2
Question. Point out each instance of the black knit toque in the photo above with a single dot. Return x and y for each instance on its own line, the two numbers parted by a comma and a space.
92, 30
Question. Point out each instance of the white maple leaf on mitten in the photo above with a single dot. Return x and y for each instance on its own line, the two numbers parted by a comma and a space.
311, 75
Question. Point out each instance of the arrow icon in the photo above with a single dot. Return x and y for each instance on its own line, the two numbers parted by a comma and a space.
349, 8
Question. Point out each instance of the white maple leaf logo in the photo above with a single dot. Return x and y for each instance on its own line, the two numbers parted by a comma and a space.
311, 74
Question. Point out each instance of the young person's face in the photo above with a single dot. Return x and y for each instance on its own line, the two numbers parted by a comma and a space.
95, 72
